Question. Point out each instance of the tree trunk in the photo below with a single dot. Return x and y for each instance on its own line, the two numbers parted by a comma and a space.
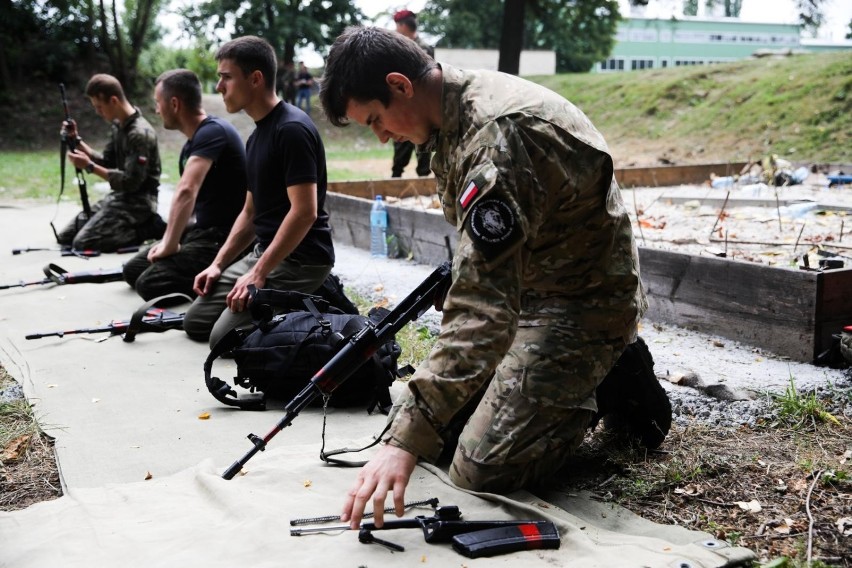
512, 37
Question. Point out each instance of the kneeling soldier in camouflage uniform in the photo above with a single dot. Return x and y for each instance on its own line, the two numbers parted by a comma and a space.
130, 163
546, 292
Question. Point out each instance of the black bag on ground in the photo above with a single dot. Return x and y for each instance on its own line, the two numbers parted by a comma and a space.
280, 354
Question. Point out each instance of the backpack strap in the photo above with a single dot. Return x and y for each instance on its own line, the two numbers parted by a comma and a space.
221, 390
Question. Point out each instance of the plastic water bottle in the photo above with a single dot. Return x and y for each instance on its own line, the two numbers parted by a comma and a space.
378, 229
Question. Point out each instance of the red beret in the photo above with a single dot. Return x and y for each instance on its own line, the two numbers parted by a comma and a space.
403, 14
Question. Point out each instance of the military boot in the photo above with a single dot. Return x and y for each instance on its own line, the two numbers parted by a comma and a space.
632, 400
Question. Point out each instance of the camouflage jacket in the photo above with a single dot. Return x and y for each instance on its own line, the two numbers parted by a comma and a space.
132, 158
528, 182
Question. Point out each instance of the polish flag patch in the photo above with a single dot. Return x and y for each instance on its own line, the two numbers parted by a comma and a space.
468, 194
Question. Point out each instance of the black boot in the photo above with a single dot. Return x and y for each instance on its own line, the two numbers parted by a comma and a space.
631, 399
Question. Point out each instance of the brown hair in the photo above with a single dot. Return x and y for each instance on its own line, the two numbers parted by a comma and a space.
183, 84
251, 53
104, 87
359, 61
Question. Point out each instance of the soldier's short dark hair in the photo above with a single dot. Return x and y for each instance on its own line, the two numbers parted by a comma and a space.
183, 84
252, 53
103, 87
359, 61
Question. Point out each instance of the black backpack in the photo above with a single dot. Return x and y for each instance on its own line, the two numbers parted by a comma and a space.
279, 354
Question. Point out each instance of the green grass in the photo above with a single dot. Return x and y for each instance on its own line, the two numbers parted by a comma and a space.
798, 106
800, 410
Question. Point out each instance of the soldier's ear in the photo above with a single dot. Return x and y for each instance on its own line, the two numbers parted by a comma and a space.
400, 84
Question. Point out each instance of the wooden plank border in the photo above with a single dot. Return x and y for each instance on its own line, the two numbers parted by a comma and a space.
790, 312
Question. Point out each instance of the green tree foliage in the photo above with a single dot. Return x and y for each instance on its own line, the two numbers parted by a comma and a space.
47, 37
286, 24
579, 31
732, 7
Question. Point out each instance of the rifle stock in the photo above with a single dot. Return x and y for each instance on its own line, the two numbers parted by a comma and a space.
352, 354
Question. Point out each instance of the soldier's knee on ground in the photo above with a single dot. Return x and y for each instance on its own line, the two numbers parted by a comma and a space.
196, 328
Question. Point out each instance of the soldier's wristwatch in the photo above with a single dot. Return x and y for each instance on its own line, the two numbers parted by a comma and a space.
90, 167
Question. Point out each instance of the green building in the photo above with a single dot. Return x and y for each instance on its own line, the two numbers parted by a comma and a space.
645, 43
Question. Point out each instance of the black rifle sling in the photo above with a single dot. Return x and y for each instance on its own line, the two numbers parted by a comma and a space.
327, 456
138, 323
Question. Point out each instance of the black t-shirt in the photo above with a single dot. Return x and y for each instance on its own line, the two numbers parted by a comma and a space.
223, 191
285, 150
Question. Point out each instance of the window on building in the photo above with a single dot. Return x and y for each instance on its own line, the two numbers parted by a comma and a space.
612, 64
639, 64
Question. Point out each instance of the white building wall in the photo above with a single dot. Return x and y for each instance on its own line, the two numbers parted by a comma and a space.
532, 62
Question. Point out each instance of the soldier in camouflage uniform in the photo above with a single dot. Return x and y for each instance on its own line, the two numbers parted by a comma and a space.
545, 293
130, 163
406, 24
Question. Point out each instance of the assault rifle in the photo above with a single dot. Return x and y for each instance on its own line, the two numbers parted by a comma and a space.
59, 276
353, 353
66, 251
70, 143
63, 251
473, 539
147, 318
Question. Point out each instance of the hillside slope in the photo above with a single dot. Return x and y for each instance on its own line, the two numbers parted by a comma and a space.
797, 107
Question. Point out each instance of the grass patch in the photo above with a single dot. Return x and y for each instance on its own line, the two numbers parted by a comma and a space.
800, 410
28, 470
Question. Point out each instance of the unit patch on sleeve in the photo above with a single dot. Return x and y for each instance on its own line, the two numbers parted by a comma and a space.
493, 227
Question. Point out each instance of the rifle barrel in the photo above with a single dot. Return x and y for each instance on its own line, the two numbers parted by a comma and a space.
358, 349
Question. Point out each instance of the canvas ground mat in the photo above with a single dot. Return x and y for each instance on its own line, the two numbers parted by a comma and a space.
196, 518
120, 411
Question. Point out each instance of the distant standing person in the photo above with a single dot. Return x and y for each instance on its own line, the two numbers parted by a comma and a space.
406, 24
304, 85
284, 211
287, 82
208, 198
127, 216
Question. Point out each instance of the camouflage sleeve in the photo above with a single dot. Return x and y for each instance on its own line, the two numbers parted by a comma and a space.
141, 154
480, 313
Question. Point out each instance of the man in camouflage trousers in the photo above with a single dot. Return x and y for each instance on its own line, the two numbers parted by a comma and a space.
406, 24
545, 293
130, 162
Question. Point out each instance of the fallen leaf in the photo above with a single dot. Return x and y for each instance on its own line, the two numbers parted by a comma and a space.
752, 506
148, 476
847, 455
799, 484
718, 344
204, 416
690, 490
844, 526
52, 386
16, 448
307, 483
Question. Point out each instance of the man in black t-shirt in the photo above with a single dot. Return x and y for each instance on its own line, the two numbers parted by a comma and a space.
208, 197
284, 209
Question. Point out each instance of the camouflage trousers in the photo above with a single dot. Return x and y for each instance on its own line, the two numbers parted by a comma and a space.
114, 224
176, 273
535, 410
402, 152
